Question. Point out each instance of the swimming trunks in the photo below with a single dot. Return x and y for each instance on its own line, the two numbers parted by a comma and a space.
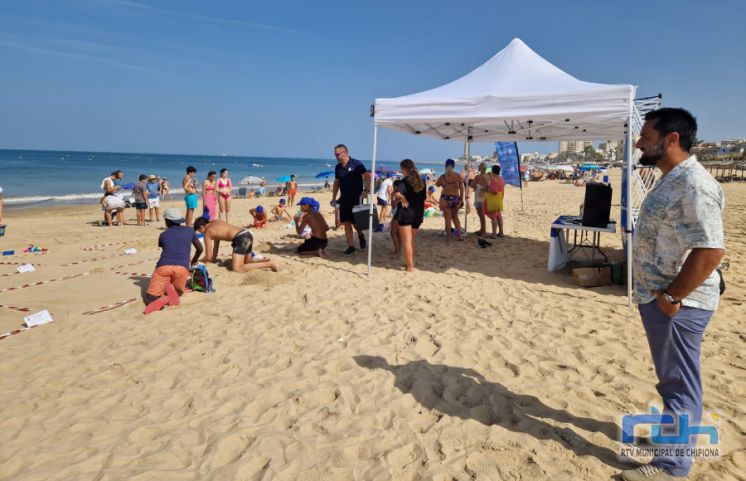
191, 201
451, 200
242, 242
312, 244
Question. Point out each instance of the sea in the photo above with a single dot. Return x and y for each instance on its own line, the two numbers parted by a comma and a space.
32, 178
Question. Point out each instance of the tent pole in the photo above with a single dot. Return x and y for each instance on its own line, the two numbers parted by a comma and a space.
628, 226
370, 198
467, 157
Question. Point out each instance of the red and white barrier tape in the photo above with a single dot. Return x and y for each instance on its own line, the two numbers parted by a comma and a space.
109, 307
17, 331
99, 246
137, 274
17, 308
33, 284
91, 260
115, 268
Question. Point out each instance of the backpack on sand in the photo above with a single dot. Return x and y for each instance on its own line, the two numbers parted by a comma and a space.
200, 280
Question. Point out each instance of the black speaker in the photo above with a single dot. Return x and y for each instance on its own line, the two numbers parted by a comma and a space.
597, 205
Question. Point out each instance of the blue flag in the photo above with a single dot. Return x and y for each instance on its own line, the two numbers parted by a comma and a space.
510, 162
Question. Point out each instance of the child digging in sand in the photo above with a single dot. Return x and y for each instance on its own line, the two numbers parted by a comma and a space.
280, 212
242, 242
311, 217
260, 217
172, 270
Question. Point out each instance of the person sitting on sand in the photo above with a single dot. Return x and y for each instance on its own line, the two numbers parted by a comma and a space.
431, 200
280, 212
309, 216
241, 240
172, 270
260, 217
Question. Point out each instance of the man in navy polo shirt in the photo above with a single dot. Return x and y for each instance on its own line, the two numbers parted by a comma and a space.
351, 180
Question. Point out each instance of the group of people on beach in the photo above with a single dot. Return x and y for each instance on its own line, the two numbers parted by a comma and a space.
147, 194
217, 195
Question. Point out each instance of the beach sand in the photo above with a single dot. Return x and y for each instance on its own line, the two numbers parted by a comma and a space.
479, 366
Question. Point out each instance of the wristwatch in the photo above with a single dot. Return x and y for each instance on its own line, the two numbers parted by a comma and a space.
670, 299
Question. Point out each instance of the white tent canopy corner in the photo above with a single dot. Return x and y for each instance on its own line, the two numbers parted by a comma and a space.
515, 96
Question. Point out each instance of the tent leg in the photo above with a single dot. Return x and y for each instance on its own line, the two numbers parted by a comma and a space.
628, 227
370, 199
467, 157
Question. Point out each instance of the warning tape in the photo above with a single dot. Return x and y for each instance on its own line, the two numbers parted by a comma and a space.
91, 260
99, 246
17, 308
141, 274
17, 331
24, 286
9, 274
135, 263
109, 307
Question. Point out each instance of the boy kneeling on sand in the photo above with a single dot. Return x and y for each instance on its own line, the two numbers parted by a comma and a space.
242, 241
311, 217
172, 270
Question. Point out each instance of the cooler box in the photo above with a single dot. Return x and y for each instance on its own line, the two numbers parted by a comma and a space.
360, 214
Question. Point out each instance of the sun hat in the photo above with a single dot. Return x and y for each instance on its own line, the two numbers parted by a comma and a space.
152, 176
174, 215
306, 201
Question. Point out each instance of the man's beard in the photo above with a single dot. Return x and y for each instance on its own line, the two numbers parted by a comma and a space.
651, 156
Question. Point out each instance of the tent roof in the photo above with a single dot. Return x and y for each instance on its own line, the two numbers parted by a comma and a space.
516, 95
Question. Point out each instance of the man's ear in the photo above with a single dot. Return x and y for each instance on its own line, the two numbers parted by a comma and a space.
672, 139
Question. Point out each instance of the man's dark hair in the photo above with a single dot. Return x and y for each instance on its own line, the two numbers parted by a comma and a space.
496, 169
341, 146
191, 169
676, 120
142, 177
200, 222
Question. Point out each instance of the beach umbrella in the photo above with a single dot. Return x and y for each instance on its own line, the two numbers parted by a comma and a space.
325, 173
251, 179
284, 178
585, 167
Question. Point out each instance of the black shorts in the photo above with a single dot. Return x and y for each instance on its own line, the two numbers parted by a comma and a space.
345, 209
243, 242
409, 217
312, 244
141, 206
382, 202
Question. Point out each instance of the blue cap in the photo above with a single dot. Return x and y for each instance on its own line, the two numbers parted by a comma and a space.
315, 206
282, 201
306, 201
259, 209
431, 188
450, 162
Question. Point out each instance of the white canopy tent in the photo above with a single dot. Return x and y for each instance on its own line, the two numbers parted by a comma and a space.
515, 96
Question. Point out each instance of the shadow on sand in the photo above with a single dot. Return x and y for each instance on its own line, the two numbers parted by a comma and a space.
466, 394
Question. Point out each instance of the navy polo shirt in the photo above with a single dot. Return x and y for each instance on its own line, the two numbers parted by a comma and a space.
350, 179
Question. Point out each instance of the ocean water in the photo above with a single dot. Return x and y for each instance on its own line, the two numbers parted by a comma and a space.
33, 177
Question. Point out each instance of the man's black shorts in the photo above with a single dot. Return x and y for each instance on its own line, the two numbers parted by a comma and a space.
312, 244
345, 209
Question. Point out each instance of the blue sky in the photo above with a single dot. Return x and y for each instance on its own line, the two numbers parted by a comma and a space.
295, 78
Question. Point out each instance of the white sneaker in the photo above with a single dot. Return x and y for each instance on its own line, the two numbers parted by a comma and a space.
647, 472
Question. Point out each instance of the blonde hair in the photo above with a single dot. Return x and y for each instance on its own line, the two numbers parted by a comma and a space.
413, 177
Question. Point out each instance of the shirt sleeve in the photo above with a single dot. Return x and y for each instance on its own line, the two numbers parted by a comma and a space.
701, 223
361, 169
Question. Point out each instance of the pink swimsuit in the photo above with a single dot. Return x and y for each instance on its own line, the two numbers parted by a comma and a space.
222, 185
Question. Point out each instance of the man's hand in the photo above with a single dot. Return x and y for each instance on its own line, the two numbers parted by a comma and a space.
666, 307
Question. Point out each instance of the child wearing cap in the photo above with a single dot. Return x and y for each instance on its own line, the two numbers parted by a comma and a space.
280, 212
260, 217
310, 217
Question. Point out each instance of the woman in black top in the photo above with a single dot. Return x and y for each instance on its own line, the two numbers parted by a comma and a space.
409, 197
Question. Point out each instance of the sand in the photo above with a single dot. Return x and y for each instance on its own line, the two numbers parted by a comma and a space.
479, 366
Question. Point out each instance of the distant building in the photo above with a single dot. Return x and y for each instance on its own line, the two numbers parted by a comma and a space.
576, 146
